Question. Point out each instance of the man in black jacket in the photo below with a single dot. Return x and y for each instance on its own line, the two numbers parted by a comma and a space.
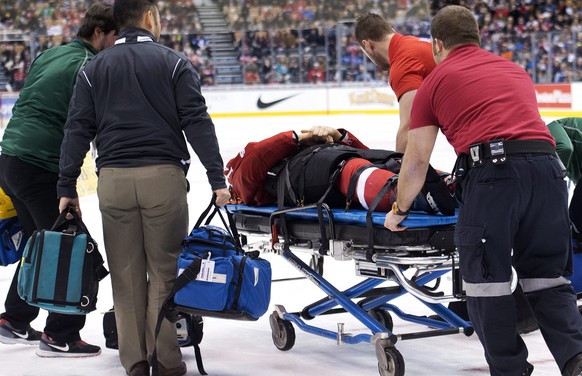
137, 102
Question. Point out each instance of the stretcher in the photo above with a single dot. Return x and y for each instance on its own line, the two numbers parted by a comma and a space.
412, 262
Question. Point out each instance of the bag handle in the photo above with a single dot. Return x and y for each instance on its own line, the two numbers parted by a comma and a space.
206, 211
77, 225
62, 220
208, 215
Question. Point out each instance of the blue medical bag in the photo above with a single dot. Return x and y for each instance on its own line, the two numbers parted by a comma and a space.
230, 281
12, 241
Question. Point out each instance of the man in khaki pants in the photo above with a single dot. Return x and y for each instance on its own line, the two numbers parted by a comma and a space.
138, 102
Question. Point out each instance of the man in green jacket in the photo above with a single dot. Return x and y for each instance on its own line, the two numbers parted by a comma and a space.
29, 168
568, 135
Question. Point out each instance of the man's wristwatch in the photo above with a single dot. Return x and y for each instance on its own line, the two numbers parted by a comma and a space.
397, 211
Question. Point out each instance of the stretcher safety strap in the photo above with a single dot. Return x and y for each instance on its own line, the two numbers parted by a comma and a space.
353, 181
536, 284
369, 224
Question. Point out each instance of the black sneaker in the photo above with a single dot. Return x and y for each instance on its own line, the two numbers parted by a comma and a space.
10, 335
49, 348
573, 366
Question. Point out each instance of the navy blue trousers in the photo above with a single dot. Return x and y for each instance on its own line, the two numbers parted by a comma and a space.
517, 212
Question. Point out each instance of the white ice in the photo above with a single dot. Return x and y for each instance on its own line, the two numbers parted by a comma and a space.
235, 348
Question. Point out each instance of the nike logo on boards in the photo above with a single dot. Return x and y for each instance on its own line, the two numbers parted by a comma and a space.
262, 105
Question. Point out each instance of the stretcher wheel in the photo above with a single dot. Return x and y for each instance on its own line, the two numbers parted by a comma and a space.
383, 317
390, 361
316, 263
283, 332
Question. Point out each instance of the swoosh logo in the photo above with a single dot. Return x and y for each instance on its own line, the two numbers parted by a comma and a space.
23, 336
62, 348
262, 105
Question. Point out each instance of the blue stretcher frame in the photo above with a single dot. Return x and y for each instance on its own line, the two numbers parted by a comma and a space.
450, 323
414, 220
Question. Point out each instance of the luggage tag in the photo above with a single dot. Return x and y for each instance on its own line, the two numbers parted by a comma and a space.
206, 270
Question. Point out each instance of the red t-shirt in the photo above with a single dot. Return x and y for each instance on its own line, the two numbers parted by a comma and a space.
476, 96
411, 61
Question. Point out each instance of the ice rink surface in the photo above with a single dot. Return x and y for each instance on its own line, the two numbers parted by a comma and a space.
234, 348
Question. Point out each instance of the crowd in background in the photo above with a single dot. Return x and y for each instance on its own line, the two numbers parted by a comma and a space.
292, 41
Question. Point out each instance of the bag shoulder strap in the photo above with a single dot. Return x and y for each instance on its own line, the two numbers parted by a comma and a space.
168, 311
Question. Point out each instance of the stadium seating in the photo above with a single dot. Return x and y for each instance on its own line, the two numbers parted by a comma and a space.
304, 41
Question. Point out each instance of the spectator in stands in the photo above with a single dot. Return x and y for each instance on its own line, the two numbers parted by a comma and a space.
267, 73
200, 44
16, 67
351, 72
252, 76
17, 72
29, 172
316, 74
363, 75
282, 69
294, 69
195, 59
207, 74
306, 66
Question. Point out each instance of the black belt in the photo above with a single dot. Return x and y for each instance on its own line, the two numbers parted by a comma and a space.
497, 150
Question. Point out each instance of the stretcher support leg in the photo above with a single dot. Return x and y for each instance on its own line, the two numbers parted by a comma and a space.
339, 298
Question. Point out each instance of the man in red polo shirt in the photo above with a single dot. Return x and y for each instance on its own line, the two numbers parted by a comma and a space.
512, 195
408, 60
